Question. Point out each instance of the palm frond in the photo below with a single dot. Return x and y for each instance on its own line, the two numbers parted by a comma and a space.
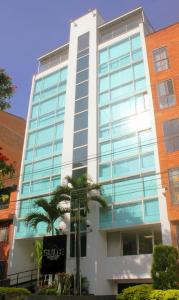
62, 193
99, 199
35, 218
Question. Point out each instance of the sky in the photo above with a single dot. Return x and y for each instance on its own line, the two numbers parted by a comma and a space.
31, 28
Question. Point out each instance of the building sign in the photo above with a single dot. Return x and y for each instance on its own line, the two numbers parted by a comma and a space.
54, 254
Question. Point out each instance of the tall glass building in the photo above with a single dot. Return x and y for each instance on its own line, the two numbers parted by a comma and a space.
91, 111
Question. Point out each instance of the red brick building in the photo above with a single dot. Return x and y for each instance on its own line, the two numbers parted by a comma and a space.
12, 130
163, 58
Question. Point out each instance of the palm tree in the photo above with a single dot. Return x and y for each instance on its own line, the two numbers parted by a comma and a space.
51, 212
81, 191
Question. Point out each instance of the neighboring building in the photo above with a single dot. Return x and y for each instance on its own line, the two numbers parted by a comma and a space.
163, 58
12, 129
91, 110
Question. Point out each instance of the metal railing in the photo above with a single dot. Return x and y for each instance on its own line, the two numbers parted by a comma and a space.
20, 278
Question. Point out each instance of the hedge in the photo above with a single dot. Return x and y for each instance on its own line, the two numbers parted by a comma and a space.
145, 292
164, 295
47, 291
137, 292
14, 291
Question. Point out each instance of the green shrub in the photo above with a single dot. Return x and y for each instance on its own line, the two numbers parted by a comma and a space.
171, 295
14, 291
164, 267
164, 295
137, 292
47, 291
156, 295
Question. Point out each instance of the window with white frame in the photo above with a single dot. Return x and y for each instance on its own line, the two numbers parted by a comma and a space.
166, 96
174, 185
132, 242
3, 233
160, 59
171, 134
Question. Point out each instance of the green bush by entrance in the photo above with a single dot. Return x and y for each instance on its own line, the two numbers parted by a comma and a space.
145, 292
137, 292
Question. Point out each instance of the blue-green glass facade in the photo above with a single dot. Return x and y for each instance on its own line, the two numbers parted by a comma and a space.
126, 164
43, 153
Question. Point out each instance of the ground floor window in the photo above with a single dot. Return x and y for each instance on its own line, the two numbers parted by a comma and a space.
121, 243
3, 268
82, 244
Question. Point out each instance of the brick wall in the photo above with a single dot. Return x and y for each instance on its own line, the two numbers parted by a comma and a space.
169, 38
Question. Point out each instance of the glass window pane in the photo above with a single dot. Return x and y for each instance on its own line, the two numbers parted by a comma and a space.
166, 96
79, 157
140, 85
129, 243
145, 242
31, 140
119, 49
44, 150
61, 101
77, 173
29, 155
81, 105
63, 74
174, 185
38, 85
128, 190
126, 167
83, 41
80, 138
103, 56
34, 112
148, 161
82, 63
81, 121
81, 90
45, 135
150, 186
135, 42
104, 115
59, 131
137, 55
104, 172
160, 59
104, 132
27, 172
103, 84
83, 53
107, 192
151, 210
125, 147
51, 80
105, 152
55, 181
48, 105
104, 98
82, 76
126, 75
123, 91
123, 109
103, 68
146, 140
139, 70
